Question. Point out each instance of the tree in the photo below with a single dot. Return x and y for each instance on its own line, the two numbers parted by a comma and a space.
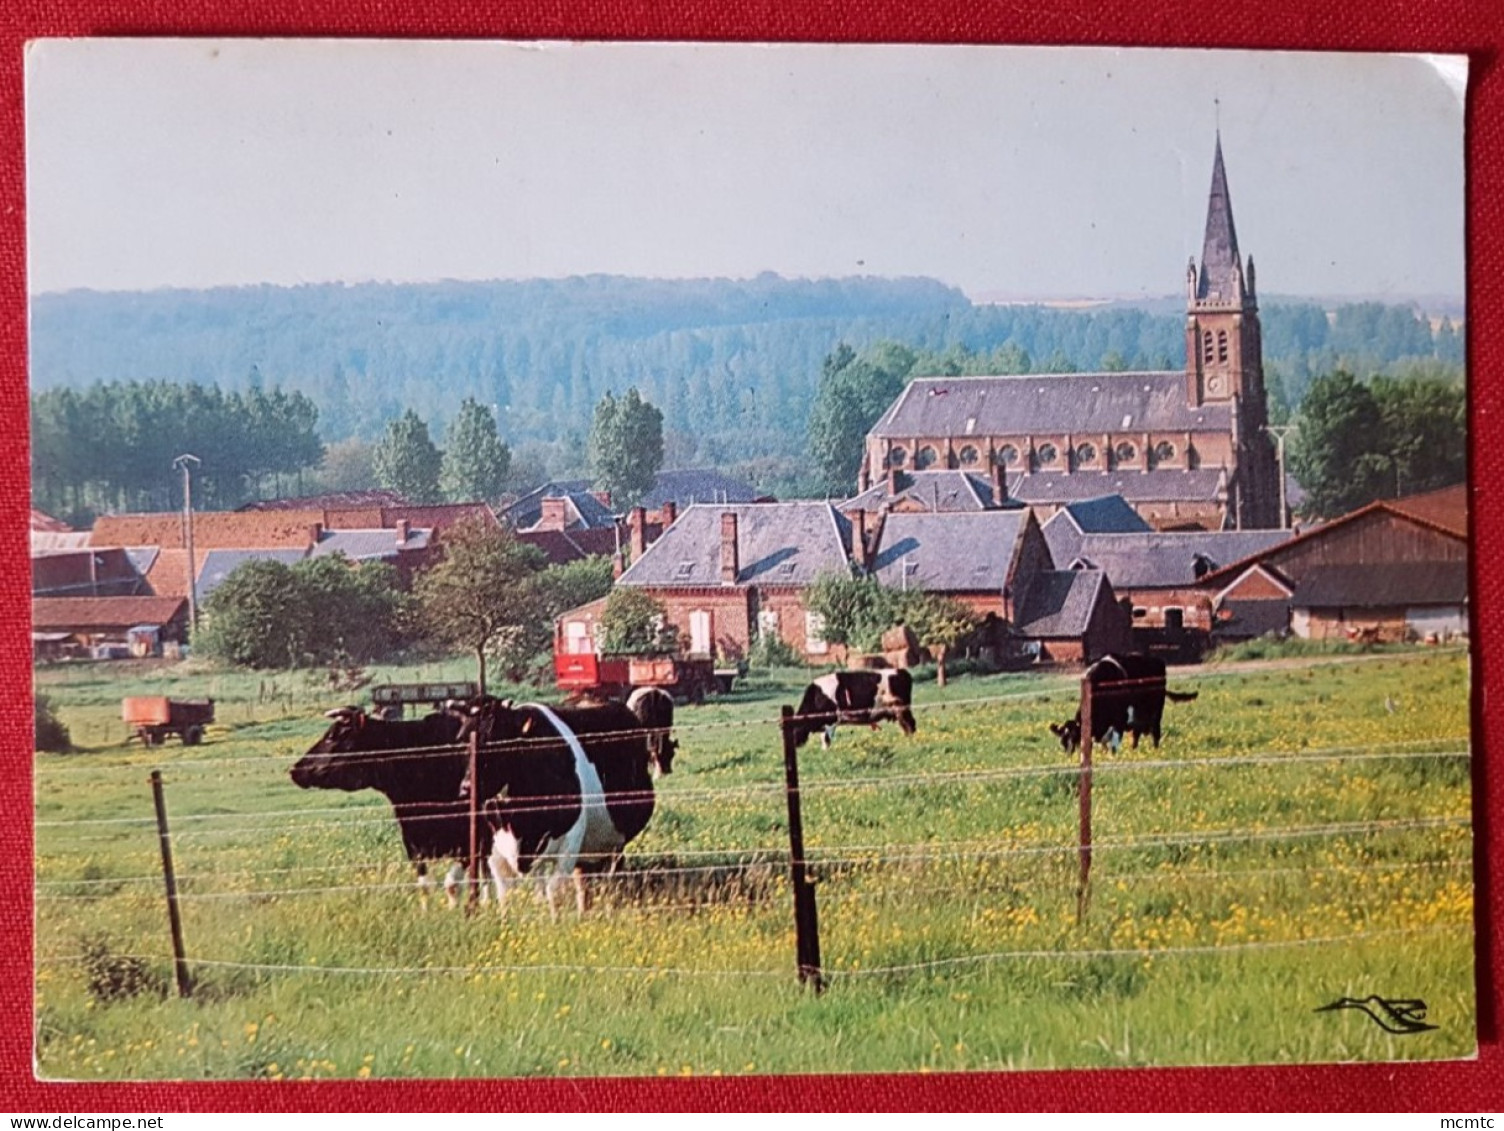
483, 596
626, 447
476, 462
938, 622
1333, 456
349, 465
1424, 430
406, 460
853, 393
855, 611
634, 623
573, 584
269, 615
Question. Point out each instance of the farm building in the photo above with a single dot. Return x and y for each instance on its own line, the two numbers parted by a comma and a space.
87, 572
1157, 575
1185, 447
1393, 570
76, 626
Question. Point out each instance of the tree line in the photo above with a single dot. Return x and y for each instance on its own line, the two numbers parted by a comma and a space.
733, 365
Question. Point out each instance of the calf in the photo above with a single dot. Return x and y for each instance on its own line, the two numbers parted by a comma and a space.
854, 697
563, 786
416, 765
1128, 696
654, 708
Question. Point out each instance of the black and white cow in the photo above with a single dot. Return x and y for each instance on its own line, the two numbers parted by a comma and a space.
417, 765
566, 787
854, 697
1128, 694
654, 708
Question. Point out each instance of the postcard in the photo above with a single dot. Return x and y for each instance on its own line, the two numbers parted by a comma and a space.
663, 559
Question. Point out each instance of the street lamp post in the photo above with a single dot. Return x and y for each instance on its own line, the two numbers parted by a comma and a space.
183, 463
1279, 432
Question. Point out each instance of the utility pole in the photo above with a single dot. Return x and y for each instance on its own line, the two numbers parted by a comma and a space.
183, 462
1279, 432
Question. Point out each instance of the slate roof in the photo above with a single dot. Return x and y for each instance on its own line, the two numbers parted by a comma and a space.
1059, 603
688, 486
951, 490
588, 511
1157, 559
1202, 485
219, 564
949, 553
1048, 403
1382, 585
1106, 514
778, 544
84, 614
1219, 251
368, 545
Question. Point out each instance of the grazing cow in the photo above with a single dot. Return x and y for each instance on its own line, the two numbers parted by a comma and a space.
1127, 698
566, 786
654, 708
854, 697
416, 765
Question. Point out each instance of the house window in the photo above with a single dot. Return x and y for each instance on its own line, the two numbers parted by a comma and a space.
685, 571
576, 638
896, 456
1047, 454
1126, 452
1164, 452
1139, 612
1174, 619
1085, 454
814, 634
1007, 455
924, 458
699, 632
969, 456
767, 623
1221, 345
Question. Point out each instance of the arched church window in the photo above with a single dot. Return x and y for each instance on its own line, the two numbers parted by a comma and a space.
896, 456
1007, 455
969, 456
1164, 452
1047, 454
1221, 345
1085, 454
1125, 452
1206, 347
924, 457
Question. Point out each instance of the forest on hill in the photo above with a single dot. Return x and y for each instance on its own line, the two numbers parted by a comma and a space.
734, 365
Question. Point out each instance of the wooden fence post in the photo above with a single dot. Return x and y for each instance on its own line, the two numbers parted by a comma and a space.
806, 920
472, 869
1083, 890
180, 962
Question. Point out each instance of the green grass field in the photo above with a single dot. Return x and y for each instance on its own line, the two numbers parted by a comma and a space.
1229, 900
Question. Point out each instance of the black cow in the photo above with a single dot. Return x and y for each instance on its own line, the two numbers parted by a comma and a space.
417, 766
654, 708
854, 697
568, 786
1128, 696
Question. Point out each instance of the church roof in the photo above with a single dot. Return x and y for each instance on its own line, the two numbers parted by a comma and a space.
1049, 404
1219, 252
1167, 485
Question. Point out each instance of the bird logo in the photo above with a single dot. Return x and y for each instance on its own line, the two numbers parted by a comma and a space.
1401, 1016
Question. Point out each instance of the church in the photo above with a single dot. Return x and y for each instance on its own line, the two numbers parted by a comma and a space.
1188, 450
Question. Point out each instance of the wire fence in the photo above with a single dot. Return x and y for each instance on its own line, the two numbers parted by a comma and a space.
829, 860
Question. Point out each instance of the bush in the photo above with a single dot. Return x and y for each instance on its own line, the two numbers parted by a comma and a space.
51, 734
770, 650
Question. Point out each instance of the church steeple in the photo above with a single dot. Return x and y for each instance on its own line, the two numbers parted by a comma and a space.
1221, 276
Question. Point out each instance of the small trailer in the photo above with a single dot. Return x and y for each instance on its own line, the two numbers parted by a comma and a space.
688, 678
391, 699
153, 717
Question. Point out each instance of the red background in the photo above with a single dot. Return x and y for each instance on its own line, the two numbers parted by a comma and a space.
1474, 28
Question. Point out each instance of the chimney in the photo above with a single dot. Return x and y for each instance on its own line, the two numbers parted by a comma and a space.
999, 485
402, 532
315, 531
637, 524
555, 515
669, 512
892, 483
859, 539
730, 560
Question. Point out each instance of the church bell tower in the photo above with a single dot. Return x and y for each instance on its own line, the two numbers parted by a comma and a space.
1224, 357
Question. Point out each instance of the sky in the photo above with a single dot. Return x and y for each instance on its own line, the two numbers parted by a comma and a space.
1023, 173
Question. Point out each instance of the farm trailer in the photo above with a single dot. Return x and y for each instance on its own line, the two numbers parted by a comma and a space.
153, 717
